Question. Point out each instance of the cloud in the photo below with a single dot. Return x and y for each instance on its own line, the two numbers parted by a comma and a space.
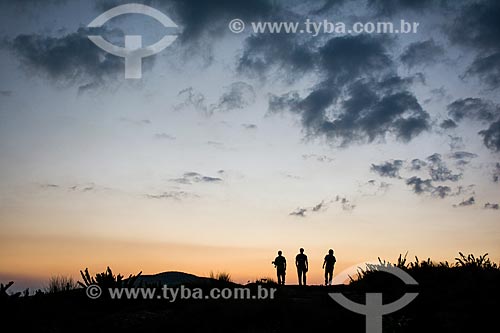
164, 136
68, 59
89, 187
25, 4
374, 187
441, 191
342, 59
491, 136
49, 186
363, 117
319, 206
439, 171
192, 98
462, 158
6, 93
263, 52
175, 195
420, 185
422, 53
138, 122
477, 27
323, 206
215, 144
487, 69
327, 6
473, 109
189, 178
417, 164
346, 204
237, 96
85, 187
299, 212
319, 158
448, 124
469, 202
391, 7
302, 211
436, 169
456, 142
388, 169
494, 206
249, 126
201, 19
496, 173
359, 96
459, 155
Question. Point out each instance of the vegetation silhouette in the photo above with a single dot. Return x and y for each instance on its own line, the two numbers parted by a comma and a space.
59, 283
106, 279
462, 296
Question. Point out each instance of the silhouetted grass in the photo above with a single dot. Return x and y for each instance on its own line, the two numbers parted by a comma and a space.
221, 276
60, 283
266, 280
462, 296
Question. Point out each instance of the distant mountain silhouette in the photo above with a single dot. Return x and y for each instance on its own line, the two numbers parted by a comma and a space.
170, 278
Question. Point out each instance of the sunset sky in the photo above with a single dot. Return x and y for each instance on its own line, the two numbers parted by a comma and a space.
232, 146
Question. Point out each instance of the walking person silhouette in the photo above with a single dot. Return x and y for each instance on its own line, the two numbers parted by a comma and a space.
280, 264
302, 266
328, 265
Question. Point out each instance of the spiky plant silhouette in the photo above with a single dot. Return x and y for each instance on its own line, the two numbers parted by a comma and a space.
107, 279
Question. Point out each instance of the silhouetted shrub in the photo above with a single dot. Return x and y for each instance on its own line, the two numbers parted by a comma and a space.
61, 283
266, 280
3, 291
221, 276
106, 279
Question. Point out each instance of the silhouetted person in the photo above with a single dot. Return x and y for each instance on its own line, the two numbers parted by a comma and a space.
302, 266
328, 265
280, 264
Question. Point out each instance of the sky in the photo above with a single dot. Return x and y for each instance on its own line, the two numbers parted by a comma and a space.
232, 146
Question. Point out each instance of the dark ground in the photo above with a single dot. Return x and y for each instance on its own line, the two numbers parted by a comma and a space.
465, 301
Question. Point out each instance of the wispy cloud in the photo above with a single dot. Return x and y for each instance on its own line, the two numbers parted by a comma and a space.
319, 158
189, 178
494, 206
164, 136
237, 95
139, 122
322, 206
249, 126
388, 169
468, 202
175, 195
